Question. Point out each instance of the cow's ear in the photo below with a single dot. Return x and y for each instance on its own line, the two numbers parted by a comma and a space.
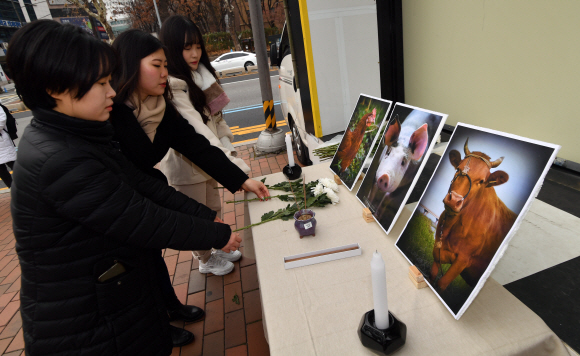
497, 178
418, 142
455, 158
392, 134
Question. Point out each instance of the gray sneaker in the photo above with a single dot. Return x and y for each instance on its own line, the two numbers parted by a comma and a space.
216, 265
233, 256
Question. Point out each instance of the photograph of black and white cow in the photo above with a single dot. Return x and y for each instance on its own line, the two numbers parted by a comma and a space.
398, 161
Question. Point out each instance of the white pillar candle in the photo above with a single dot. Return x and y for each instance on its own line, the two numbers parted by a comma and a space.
289, 150
379, 277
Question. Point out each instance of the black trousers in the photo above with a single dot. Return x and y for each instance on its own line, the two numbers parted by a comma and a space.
5, 173
169, 296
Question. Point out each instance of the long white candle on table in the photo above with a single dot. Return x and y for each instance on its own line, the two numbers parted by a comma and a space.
379, 277
289, 150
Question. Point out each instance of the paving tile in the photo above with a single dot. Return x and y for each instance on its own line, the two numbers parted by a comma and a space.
214, 288
255, 164
233, 293
195, 348
16, 296
249, 278
182, 272
12, 252
13, 276
252, 306
239, 196
184, 256
9, 267
257, 345
213, 345
5, 260
196, 282
8, 312
17, 343
235, 328
12, 328
6, 298
197, 299
239, 209
233, 276
227, 208
228, 195
241, 350
246, 260
181, 292
4, 345
214, 316
194, 263
15, 353
230, 218
171, 263
175, 351
170, 252
15, 287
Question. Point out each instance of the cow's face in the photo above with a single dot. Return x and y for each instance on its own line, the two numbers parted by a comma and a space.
395, 158
462, 190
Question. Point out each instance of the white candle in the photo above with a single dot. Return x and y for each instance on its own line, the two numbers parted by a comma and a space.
289, 150
380, 291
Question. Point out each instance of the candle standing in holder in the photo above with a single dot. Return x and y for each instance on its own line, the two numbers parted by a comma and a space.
289, 150
379, 278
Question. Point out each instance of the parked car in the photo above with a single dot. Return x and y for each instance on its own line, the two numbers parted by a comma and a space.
234, 60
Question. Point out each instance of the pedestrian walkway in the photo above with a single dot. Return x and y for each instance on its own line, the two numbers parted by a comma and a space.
233, 322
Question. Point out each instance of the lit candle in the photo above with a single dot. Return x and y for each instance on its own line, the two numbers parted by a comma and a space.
380, 291
289, 150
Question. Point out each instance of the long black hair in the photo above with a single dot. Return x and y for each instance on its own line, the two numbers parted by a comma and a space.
177, 33
47, 57
132, 46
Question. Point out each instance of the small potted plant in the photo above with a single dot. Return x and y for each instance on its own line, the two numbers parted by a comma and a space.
304, 221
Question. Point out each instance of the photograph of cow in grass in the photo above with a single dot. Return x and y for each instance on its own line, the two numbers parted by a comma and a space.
475, 220
399, 159
481, 189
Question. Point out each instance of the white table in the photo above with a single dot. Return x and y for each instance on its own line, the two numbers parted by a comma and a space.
316, 309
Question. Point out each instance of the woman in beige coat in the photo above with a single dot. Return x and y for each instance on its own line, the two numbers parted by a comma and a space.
200, 99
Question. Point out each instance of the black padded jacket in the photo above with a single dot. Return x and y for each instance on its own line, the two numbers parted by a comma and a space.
173, 132
78, 206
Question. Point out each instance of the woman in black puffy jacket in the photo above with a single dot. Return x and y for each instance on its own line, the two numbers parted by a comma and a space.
88, 222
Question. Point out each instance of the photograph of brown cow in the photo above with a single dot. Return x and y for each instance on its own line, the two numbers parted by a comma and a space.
483, 184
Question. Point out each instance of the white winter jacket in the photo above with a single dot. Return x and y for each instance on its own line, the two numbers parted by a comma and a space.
177, 168
7, 150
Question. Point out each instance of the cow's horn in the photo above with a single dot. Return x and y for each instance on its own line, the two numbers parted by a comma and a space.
466, 149
497, 162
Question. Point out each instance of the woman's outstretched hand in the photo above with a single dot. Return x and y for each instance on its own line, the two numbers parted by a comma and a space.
256, 187
233, 244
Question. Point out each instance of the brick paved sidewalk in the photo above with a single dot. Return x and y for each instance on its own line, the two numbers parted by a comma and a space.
233, 322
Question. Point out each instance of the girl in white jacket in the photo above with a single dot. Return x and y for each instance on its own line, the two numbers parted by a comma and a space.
200, 99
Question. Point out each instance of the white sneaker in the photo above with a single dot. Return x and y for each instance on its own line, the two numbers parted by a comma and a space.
232, 256
216, 265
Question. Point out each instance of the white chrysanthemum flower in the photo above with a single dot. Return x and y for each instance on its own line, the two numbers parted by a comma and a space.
331, 195
317, 190
329, 183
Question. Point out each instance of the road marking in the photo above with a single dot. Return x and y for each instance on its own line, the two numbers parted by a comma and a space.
252, 139
251, 107
247, 80
257, 128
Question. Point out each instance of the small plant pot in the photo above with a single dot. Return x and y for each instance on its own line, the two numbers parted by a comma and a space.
305, 226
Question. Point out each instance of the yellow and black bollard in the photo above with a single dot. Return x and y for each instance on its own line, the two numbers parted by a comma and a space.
269, 114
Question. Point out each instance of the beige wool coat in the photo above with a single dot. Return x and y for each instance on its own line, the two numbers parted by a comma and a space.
178, 169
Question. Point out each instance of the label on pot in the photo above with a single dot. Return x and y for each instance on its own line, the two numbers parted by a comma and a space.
308, 225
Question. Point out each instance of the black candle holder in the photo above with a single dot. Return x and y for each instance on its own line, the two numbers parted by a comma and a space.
292, 172
382, 341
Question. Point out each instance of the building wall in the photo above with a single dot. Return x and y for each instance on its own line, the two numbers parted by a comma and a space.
508, 65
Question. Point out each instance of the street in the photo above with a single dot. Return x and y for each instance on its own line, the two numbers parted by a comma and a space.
244, 114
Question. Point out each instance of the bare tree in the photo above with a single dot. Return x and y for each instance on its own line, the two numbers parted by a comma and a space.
229, 9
